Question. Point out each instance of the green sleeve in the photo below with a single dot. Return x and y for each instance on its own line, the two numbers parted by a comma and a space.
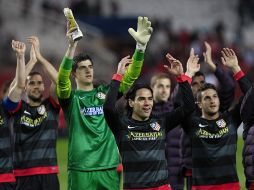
63, 79
133, 71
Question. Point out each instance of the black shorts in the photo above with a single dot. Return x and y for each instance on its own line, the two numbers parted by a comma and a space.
7, 186
38, 182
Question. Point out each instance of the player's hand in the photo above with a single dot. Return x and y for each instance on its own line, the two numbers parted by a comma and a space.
143, 33
229, 59
18, 47
69, 33
123, 65
175, 66
208, 57
34, 41
192, 65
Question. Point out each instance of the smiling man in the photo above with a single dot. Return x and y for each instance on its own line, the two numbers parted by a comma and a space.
214, 135
35, 123
141, 136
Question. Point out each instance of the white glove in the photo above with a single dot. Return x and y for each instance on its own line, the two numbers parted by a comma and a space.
143, 33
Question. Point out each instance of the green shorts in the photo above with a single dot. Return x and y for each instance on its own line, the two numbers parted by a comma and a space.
94, 180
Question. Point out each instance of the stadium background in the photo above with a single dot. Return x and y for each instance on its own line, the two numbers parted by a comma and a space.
178, 25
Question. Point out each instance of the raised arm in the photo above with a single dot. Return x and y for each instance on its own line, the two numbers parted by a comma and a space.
179, 114
109, 107
17, 88
31, 63
229, 59
227, 84
29, 66
192, 67
63, 78
142, 37
47, 66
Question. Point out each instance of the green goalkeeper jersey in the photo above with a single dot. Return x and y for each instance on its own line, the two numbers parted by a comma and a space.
91, 145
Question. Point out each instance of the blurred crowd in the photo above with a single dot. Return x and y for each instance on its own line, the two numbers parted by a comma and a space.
165, 38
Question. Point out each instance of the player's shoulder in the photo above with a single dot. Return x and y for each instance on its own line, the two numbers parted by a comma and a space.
102, 87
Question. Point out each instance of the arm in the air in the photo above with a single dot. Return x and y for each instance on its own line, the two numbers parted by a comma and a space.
133, 71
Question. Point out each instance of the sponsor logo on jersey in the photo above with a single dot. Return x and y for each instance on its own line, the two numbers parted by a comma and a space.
101, 95
131, 127
92, 111
221, 123
202, 126
81, 98
144, 136
155, 126
31, 122
26, 112
202, 133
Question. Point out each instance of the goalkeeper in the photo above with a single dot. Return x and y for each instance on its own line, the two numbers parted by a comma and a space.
92, 153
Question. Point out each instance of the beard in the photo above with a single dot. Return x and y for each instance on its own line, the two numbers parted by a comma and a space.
35, 99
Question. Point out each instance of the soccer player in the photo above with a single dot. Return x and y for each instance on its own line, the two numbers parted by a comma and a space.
7, 177
35, 128
178, 142
93, 155
141, 137
214, 135
247, 116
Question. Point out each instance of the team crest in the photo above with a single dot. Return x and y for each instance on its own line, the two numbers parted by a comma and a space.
156, 126
101, 95
221, 123
41, 110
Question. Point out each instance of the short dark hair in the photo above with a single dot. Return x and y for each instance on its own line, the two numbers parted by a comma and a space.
131, 94
31, 74
203, 88
34, 73
78, 58
198, 74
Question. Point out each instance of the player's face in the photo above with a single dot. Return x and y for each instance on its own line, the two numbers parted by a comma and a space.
161, 90
210, 102
35, 88
142, 104
84, 72
197, 82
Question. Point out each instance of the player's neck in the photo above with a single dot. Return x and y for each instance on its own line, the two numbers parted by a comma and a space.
210, 117
137, 118
85, 87
33, 103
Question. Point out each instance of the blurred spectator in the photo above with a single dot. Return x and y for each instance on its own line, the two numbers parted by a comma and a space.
26, 7
80, 7
114, 8
245, 12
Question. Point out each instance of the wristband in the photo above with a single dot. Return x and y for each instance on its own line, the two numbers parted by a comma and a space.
117, 77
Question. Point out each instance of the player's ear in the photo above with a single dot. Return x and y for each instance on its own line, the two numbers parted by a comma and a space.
73, 74
131, 103
199, 104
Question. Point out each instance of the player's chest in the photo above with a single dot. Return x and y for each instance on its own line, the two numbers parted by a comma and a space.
221, 128
33, 117
153, 131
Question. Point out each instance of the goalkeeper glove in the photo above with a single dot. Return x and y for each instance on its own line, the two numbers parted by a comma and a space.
143, 33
